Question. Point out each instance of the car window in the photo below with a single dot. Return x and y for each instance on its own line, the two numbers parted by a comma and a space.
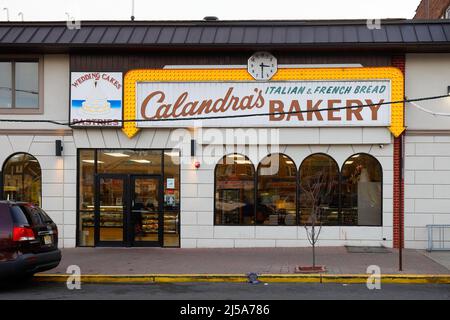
44, 215
5, 217
18, 215
33, 215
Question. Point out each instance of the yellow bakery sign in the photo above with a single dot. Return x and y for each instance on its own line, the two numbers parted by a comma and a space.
334, 97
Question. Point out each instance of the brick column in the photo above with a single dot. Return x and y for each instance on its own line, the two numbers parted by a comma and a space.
398, 61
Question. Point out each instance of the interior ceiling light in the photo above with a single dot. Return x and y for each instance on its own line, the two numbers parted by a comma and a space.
140, 160
92, 161
171, 153
243, 162
117, 154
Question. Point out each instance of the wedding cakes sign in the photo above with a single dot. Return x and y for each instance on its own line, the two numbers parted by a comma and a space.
96, 99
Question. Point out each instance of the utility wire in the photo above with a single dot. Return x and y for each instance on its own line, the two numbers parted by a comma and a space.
61, 123
442, 114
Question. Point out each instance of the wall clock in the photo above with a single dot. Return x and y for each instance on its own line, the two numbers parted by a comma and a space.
262, 65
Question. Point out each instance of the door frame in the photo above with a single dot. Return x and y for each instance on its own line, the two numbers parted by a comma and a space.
130, 227
125, 205
127, 223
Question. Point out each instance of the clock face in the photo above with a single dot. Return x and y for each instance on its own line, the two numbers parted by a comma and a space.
262, 66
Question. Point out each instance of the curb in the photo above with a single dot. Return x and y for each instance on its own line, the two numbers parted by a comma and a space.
240, 278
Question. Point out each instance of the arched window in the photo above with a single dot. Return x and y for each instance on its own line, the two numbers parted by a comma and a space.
361, 191
22, 178
319, 190
277, 191
234, 191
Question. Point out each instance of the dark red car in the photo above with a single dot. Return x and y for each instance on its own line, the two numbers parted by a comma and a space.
28, 240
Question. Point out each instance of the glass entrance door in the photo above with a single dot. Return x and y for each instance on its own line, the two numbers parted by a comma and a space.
128, 210
110, 210
146, 211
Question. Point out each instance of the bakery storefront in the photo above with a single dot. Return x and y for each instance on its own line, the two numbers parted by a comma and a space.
126, 197
247, 153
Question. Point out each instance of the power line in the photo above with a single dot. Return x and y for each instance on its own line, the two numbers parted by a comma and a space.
61, 123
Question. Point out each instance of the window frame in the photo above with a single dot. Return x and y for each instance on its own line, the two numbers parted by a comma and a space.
25, 58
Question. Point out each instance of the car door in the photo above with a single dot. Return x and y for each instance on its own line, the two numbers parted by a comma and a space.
6, 226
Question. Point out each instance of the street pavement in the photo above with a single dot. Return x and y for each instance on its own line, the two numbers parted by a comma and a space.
337, 260
225, 291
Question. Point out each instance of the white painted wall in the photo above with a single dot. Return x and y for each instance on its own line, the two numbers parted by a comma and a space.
427, 75
427, 186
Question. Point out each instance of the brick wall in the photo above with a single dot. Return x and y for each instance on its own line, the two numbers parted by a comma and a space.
431, 9
398, 61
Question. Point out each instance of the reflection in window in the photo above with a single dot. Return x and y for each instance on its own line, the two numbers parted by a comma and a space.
5, 85
277, 187
171, 198
361, 191
22, 179
234, 190
26, 85
319, 189
126, 161
86, 197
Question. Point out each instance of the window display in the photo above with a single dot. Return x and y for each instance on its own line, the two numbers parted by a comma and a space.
361, 191
129, 196
352, 197
22, 178
277, 191
319, 187
234, 191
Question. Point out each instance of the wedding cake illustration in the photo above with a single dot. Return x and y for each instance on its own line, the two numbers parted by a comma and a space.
96, 101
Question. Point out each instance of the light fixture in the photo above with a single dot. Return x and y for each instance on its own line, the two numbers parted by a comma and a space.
58, 148
140, 160
92, 161
117, 154
172, 153
193, 148
243, 162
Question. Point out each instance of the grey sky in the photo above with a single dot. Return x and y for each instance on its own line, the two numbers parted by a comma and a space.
197, 9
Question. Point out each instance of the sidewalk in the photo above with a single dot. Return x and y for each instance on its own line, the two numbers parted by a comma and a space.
130, 261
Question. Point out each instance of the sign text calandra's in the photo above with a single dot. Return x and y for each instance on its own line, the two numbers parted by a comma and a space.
304, 102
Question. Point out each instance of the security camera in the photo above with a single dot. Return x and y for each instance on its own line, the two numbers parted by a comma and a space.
381, 146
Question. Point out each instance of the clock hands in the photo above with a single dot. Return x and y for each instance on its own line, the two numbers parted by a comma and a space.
262, 65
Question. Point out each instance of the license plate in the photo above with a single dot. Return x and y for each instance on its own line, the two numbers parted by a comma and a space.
48, 240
